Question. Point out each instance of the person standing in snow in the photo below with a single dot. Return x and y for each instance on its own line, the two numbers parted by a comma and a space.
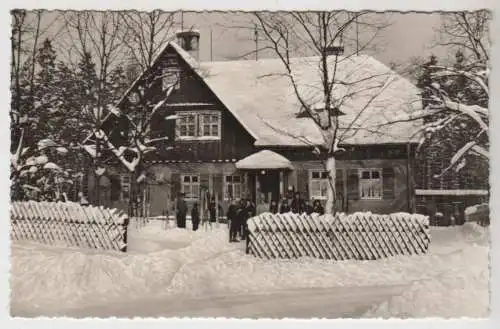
308, 209
232, 213
297, 205
195, 216
318, 208
241, 218
284, 207
248, 211
181, 212
273, 208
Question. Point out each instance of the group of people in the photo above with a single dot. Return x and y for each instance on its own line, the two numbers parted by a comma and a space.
239, 212
296, 205
182, 210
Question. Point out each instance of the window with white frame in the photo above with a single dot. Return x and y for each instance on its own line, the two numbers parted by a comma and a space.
187, 125
199, 125
232, 187
370, 184
318, 184
171, 77
210, 124
125, 186
190, 186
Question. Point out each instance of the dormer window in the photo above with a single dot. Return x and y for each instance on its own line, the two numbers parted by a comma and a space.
199, 125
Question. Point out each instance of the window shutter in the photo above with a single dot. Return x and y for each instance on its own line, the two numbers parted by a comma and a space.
388, 183
339, 181
204, 182
217, 184
175, 187
170, 128
303, 183
115, 188
352, 184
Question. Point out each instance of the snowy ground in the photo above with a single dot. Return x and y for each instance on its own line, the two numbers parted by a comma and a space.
172, 272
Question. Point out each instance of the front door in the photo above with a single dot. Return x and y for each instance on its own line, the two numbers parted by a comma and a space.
267, 188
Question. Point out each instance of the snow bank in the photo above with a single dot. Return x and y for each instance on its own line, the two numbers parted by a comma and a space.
461, 290
55, 278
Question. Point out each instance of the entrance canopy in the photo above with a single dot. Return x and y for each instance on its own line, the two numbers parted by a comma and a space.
264, 159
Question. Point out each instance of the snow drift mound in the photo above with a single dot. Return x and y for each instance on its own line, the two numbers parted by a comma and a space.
456, 291
49, 275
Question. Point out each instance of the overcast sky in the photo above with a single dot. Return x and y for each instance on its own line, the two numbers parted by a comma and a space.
410, 35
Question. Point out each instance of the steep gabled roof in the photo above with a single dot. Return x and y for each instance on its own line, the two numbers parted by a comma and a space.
261, 97
260, 94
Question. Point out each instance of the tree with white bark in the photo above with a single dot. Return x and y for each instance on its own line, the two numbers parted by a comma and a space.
325, 34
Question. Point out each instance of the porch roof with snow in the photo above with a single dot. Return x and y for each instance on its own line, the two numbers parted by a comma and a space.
261, 97
264, 159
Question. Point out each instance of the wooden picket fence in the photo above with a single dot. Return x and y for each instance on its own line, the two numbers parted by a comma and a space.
361, 236
69, 224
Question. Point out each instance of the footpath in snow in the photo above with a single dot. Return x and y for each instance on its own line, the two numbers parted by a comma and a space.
173, 272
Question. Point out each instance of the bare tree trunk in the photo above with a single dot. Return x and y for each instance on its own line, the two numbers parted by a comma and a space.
330, 164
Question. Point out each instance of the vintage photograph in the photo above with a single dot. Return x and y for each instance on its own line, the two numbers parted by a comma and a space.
288, 164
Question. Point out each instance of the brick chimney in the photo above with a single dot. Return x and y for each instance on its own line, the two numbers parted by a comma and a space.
189, 40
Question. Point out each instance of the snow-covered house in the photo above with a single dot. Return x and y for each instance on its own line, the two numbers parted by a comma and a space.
236, 130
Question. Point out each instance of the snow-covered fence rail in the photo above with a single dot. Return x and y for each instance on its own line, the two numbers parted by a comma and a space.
69, 224
362, 236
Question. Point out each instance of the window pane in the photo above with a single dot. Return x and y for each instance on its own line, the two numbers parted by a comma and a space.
315, 174
365, 175
183, 131
214, 118
315, 188
236, 179
206, 130
237, 191
324, 175
215, 130
187, 179
191, 130
196, 191
194, 179
229, 179
375, 174
324, 188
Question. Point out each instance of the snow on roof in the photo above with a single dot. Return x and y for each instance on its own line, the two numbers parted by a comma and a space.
264, 159
260, 95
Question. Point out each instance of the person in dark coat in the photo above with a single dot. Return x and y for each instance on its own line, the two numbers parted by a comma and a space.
273, 207
181, 212
249, 211
308, 209
232, 217
195, 216
241, 218
297, 205
284, 207
212, 210
318, 208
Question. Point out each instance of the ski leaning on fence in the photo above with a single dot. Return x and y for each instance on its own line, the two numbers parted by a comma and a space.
361, 236
69, 224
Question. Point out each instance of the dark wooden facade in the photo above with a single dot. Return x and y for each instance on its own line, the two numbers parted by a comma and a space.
214, 159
